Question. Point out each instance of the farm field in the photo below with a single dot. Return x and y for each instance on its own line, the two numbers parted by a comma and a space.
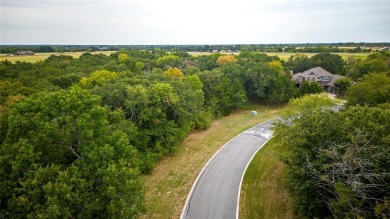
285, 55
43, 56
169, 184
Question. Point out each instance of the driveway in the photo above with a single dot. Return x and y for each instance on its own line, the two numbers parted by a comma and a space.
215, 193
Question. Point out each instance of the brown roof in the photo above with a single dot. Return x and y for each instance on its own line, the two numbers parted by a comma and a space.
319, 73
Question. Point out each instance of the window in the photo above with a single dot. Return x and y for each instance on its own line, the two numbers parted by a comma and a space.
325, 78
311, 78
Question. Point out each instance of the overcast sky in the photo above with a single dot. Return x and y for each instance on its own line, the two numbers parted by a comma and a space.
139, 22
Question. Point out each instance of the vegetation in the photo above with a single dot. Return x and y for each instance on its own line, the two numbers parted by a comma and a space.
263, 192
168, 185
73, 131
337, 162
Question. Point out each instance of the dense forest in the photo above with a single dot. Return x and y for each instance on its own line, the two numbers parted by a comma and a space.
77, 134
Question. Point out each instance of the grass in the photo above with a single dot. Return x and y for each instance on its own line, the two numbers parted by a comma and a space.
169, 184
43, 56
263, 192
285, 55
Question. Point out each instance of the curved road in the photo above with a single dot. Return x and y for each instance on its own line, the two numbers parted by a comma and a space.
215, 193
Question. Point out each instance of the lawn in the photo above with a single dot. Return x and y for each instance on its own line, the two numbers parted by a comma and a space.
263, 192
169, 184
43, 56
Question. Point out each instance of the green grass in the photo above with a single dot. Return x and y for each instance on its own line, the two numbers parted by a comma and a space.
169, 184
43, 56
263, 191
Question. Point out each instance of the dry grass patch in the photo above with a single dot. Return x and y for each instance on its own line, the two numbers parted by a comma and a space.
169, 184
43, 56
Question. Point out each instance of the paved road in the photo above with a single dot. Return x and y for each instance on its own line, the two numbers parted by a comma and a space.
215, 193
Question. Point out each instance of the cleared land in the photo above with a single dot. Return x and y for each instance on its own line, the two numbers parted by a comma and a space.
171, 181
285, 55
263, 192
43, 56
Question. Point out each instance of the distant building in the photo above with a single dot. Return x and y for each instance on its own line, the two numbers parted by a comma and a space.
320, 75
21, 53
384, 49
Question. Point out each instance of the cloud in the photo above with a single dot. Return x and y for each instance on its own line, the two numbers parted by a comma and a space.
192, 22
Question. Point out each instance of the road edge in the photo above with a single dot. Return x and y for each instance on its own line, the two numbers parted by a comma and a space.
194, 185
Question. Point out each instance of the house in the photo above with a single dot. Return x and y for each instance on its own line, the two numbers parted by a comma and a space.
18, 53
320, 75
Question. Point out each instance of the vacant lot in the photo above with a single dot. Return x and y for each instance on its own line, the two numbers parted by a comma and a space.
171, 181
43, 56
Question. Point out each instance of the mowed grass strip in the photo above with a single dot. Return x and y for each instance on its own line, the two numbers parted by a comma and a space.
263, 191
171, 181
43, 56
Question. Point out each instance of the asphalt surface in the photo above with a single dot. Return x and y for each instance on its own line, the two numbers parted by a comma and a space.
215, 193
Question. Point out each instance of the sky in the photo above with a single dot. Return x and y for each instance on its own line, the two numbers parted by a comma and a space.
183, 22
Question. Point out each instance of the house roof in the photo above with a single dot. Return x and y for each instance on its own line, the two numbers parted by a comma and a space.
318, 72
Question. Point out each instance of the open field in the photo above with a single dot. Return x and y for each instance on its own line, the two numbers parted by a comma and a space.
43, 56
285, 55
263, 194
169, 184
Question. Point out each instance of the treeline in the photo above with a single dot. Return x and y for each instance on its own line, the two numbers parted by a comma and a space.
76, 134
292, 48
338, 162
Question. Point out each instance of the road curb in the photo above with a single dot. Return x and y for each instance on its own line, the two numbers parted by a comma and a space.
194, 185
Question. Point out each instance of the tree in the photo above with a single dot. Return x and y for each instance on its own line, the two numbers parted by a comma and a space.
226, 59
372, 90
59, 159
337, 161
174, 73
123, 58
298, 63
342, 85
97, 78
311, 87
168, 61
333, 63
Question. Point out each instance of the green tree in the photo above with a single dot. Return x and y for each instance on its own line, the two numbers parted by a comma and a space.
372, 90
333, 63
298, 63
337, 161
342, 85
311, 87
60, 159
97, 78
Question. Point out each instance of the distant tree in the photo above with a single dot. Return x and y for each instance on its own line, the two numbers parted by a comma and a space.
97, 78
333, 63
168, 61
174, 73
298, 63
123, 58
226, 59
